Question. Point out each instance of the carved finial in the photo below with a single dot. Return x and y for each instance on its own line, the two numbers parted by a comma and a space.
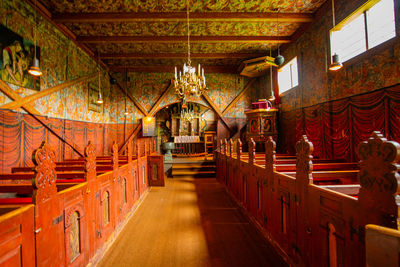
270, 160
379, 180
238, 148
129, 151
304, 150
44, 181
378, 159
115, 155
221, 145
252, 150
225, 146
90, 159
230, 147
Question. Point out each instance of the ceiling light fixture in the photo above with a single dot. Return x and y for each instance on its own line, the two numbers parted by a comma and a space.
126, 113
99, 96
189, 82
35, 70
279, 58
335, 65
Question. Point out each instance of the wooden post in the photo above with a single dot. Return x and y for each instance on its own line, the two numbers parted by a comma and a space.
270, 160
90, 162
252, 151
238, 149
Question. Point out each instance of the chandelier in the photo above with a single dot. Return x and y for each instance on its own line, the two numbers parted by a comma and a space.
189, 82
187, 115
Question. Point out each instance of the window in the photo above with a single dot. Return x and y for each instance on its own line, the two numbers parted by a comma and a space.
288, 76
372, 24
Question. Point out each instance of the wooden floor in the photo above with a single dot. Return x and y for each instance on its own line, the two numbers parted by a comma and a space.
190, 222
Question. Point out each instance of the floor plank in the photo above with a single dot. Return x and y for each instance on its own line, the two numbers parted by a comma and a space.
190, 222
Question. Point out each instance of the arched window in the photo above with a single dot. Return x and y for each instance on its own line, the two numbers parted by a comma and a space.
144, 174
74, 236
106, 203
135, 181
124, 189
154, 169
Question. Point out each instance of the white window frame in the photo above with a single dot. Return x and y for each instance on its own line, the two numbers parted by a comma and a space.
293, 68
361, 11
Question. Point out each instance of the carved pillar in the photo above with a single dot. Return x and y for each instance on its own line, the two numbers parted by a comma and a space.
90, 162
115, 155
379, 180
238, 149
270, 159
252, 151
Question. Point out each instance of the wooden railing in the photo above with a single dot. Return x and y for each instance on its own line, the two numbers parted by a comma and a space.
69, 220
314, 225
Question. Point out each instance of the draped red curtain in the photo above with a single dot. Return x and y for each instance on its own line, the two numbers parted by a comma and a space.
21, 134
337, 127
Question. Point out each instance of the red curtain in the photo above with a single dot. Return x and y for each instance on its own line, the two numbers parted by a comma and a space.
21, 134
337, 127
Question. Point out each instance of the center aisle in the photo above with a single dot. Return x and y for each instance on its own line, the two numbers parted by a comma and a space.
190, 222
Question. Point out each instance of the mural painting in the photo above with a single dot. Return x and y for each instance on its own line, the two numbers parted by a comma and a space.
93, 95
16, 56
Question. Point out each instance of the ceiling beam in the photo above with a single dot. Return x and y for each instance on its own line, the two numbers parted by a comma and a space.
180, 55
30, 98
181, 17
171, 69
183, 39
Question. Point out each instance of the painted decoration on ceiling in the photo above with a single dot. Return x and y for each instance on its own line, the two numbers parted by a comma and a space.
147, 48
304, 6
176, 62
17, 55
213, 28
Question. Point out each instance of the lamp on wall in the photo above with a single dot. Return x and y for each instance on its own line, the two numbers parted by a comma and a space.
34, 69
335, 65
126, 113
99, 97
279, 58
189, 82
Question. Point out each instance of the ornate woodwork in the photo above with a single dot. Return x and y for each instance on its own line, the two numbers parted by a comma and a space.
45, 177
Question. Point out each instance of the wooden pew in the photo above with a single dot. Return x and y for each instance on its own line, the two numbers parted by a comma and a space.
302, 217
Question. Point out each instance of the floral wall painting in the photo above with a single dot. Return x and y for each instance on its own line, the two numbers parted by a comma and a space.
16, 56
93, 93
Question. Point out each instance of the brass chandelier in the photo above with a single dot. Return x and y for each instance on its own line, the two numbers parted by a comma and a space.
189, 82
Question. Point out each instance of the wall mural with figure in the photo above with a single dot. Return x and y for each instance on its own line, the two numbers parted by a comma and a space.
16, 56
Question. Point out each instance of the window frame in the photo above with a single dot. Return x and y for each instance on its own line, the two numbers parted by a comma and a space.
362, 11
290, 74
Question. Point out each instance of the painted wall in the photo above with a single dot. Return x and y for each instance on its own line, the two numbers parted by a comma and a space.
375, 69
311, 105
61, 60
148, 87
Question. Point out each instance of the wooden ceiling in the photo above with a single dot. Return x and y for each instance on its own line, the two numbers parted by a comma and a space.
149, 36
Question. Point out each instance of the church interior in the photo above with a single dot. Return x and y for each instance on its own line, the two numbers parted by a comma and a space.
199, 133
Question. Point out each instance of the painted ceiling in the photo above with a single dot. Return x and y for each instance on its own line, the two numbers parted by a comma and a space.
152, 34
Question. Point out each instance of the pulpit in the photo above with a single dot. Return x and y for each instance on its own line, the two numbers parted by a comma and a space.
261, 121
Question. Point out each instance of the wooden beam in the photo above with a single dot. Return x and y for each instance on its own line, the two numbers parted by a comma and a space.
121, 17
215, 108
183, 39
15, 97
133, 134
33, 112
160, 99
51, 90
180, 55
207, 69
132, 98
236, 99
